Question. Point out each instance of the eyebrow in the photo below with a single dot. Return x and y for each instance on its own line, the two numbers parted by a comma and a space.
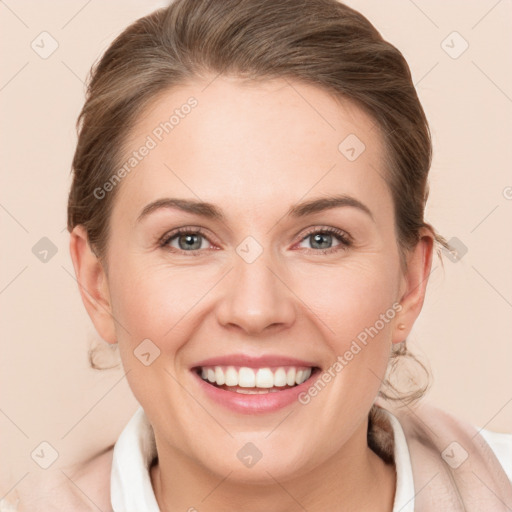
210, 211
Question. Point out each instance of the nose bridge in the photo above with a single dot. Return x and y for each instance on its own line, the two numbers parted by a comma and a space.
254, 297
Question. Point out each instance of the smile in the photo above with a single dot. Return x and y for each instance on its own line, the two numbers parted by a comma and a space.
246, 380
248, 384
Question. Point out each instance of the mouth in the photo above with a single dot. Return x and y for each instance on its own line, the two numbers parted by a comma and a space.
255, 381
249, 384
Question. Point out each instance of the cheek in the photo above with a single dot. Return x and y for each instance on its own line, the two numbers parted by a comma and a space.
356, 304
153, 299
351, 298
158, 302
153, 307
143, 305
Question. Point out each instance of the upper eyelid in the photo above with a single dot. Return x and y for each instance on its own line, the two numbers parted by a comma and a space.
169, 235
310, 230
345, 238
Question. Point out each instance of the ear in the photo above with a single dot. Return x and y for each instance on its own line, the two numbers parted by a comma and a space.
414, 284
92, 283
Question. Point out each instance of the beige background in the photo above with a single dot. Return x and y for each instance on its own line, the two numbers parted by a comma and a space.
49, 393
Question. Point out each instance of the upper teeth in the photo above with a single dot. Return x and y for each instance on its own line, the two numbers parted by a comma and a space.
255, 377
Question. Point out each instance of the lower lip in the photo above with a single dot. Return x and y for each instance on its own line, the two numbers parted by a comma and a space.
253, 404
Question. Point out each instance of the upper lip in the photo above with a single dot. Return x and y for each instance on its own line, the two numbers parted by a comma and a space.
262, 361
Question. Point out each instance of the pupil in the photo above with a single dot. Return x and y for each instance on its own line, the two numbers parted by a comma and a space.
191, 242
318, 239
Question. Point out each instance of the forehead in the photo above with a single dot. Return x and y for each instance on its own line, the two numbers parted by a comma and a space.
256, 143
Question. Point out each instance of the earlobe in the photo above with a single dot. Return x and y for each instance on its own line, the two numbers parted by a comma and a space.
92, 283
415, 280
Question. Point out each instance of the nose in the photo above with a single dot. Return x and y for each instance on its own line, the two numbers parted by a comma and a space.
256, 297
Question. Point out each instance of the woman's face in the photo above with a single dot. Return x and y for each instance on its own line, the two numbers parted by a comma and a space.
269, 282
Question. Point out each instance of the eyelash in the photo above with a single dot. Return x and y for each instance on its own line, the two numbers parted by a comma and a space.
344, 239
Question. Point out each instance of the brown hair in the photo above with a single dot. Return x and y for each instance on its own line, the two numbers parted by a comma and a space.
319, 42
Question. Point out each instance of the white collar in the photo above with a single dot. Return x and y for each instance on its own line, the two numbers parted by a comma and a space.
130, 482
135, 449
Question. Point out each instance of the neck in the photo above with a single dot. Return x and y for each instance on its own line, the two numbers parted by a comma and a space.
353, 479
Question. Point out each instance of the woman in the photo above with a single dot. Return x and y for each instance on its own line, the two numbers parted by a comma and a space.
246, 220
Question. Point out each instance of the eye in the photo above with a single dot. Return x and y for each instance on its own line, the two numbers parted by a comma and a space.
194, 240
190, 240
321, 240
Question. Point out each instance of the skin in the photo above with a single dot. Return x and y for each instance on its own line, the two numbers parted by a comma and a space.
254, 151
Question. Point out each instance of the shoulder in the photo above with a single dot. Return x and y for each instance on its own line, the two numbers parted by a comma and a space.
427, 426
501, 445
82, 487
